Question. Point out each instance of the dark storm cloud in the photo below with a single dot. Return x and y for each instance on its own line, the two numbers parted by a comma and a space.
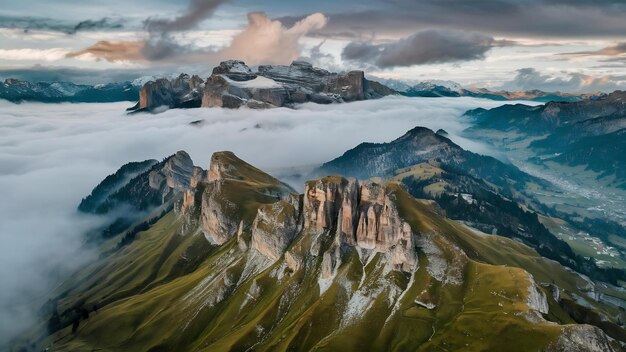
196, 12
160, 43
47, 24
535, 18
425, 47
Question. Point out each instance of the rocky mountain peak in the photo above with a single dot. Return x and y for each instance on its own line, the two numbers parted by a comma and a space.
232, 196
363, 214
419, 133
226, 165
233, 84
183, 91
234, 69
345, 252
176, 172
419, 144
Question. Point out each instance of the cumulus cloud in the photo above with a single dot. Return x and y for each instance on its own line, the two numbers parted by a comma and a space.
425, 47
262, 41
530, 78
268, 41
53, 155
319, 58
196, 12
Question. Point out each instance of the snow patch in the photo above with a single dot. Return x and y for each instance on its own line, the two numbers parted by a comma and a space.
258, 82
425, 305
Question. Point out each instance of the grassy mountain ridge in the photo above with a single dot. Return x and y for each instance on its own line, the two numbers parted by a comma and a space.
171, 289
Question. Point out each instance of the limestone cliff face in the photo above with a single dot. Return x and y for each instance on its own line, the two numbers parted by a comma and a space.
183, 91
176, 173
274, 227
233, 84
198, 176
217, 221
350, 86
155, 94
218, 92
237, 195
325, 200
582, 338
234, 69
364, 215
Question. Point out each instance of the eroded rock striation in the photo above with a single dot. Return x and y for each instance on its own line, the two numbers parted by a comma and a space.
182, 92
233, 84
365, 216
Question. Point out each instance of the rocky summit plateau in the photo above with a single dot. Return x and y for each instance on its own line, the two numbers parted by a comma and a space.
233, 84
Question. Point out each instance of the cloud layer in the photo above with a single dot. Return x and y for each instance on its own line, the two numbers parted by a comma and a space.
53, 155
27, 23
527, 18
425, 47
196, 12
530, 78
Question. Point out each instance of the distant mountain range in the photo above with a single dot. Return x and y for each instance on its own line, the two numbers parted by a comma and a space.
58, 92
588, 133
440, 88
234, 84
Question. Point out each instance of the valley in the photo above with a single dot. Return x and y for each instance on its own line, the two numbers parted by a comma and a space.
578, 192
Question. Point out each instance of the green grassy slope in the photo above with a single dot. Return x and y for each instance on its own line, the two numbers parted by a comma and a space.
170, 290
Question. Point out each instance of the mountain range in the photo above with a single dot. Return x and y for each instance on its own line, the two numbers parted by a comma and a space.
424, 251
233, 84
587, 133
58, 92
440, 88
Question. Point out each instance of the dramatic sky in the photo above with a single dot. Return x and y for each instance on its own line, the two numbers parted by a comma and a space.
567, 45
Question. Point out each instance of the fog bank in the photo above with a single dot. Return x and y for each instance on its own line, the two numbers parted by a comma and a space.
52, 155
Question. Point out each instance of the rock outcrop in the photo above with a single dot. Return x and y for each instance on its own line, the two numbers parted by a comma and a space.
582, 338
274, 227
177, 173
144, 186
217, 221
345, 248
363, 214
233, 84
235, 70
181, 92
234, 194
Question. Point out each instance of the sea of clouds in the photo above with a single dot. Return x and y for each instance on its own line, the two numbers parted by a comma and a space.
52, 155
